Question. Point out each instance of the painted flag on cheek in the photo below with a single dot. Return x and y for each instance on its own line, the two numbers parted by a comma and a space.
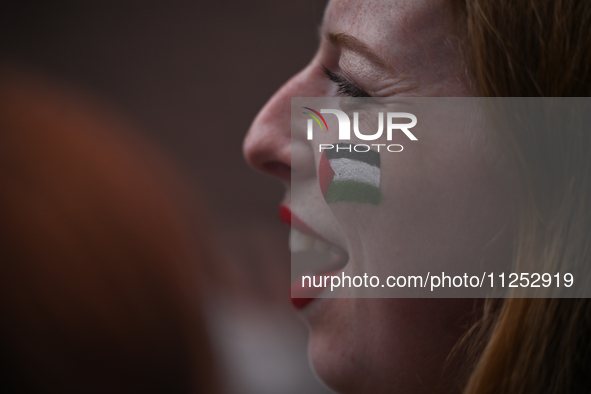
347, 175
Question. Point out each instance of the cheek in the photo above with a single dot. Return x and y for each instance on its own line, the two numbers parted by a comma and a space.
450, 212
387, 345
443, 207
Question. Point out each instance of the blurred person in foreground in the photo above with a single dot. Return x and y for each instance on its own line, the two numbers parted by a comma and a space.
99, 271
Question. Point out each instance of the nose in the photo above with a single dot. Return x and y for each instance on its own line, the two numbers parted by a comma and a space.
268, 146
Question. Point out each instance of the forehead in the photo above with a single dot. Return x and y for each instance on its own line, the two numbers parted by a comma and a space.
394, 29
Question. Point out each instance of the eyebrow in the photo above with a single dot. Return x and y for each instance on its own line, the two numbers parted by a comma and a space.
351, 43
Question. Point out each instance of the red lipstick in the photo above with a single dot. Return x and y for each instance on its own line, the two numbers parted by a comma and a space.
292, 220
300, 303
300, 296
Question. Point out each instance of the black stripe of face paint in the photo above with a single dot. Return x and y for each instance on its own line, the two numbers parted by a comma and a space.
370, 157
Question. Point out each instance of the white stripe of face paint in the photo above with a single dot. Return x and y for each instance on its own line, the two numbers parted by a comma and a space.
348, 169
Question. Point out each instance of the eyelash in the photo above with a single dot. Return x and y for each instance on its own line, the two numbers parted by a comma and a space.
345, 87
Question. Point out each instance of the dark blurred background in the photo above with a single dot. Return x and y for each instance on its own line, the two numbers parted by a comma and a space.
192, 75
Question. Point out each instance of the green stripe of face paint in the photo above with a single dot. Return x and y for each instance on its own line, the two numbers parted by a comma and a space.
354, 191
315, 118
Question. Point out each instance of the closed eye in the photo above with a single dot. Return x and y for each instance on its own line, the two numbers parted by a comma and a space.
345, 86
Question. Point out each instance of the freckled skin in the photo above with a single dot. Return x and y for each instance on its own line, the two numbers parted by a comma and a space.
390, 345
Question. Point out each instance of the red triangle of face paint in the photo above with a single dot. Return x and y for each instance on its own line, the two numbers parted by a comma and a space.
325, 174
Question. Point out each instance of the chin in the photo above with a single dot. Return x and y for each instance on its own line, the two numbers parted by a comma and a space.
334, 363
386, 345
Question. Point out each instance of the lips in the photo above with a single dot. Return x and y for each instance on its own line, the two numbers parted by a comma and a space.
303, 238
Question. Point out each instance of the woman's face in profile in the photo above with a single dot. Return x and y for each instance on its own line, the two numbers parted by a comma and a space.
444, 204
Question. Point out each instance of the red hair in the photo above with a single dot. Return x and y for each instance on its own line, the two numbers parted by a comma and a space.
530, 48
